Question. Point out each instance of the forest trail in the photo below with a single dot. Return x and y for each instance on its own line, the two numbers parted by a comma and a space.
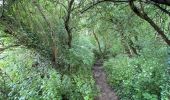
106, 92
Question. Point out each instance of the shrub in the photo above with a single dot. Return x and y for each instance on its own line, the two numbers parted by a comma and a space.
140, 78
26, 81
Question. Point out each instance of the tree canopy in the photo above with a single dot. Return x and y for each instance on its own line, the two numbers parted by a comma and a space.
49, 49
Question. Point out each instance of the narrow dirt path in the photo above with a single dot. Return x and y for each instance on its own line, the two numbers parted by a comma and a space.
106, 92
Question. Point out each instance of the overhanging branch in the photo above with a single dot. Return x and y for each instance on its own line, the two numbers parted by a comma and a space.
164, 2
144, 16
162, 9
98, 2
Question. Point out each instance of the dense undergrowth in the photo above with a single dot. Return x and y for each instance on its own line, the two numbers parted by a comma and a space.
143, 77
48, 48
25, 75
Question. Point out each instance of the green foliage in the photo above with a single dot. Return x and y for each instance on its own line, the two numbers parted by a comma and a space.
81, 52
34, 30
119, 69
139, 78
135, 57
25, 81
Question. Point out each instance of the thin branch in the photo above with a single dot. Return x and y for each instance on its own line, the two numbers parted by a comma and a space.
164, 2
162, 9
67, 21
95, 4
52, 33
62, 5
144, 16
98, 43
79, 5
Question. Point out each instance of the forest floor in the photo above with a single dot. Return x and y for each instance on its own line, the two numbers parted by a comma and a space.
106, 92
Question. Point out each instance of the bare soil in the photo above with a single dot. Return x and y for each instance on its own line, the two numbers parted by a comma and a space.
106, 92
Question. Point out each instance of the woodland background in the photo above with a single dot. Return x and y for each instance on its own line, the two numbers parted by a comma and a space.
48, 48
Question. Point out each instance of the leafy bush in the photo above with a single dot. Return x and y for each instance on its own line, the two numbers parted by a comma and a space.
81, 53
140, 78
119, 69
26, 81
